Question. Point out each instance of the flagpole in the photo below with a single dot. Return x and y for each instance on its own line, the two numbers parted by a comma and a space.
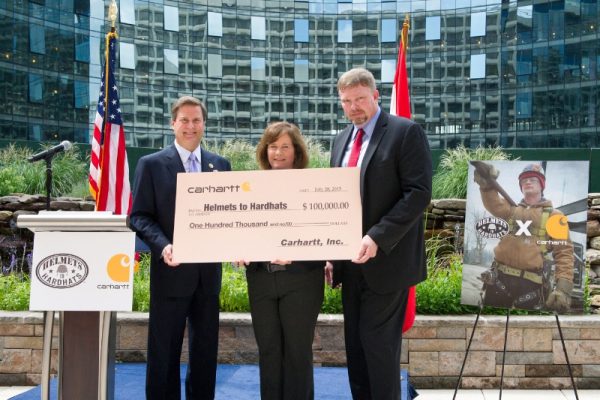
107, 319
113, 10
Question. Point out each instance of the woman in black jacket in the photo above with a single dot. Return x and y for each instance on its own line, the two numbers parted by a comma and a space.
285, 297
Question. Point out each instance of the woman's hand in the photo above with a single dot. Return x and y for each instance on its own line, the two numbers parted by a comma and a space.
240, 263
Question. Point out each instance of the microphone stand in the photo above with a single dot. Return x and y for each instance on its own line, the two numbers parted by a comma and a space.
48, 315
48, 160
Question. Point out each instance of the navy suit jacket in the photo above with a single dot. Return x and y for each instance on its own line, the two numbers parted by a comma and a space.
153, 215
395, 187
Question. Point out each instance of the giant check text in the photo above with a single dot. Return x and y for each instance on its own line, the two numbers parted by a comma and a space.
295, 214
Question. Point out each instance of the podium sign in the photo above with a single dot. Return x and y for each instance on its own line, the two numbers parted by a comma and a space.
82, 271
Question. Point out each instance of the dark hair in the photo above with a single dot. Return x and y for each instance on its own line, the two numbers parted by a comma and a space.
272, 133
188, 100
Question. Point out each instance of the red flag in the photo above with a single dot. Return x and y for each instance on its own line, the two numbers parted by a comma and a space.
400, 106
400, 103
109, 170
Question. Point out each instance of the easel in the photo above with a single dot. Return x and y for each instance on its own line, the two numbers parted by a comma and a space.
562, 340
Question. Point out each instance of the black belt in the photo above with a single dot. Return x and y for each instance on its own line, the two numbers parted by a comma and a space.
270, 267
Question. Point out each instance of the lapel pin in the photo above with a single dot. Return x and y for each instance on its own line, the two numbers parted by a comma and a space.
210, 165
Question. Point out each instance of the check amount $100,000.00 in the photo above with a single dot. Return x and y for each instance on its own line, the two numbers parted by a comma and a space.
332, 205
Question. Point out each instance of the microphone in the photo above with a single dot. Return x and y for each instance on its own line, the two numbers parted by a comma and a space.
63, 146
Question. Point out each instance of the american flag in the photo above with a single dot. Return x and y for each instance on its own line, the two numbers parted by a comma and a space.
109, 170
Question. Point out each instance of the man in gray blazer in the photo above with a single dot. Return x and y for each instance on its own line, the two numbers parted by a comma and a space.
178, 293
395, 183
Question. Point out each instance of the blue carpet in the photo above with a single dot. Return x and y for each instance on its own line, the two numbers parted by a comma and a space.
239, 382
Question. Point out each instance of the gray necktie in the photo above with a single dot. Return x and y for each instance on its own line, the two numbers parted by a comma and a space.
193, 163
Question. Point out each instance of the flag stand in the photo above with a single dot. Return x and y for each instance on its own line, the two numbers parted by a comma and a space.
562, 340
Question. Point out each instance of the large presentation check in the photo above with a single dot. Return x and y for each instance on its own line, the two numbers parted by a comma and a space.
295, 214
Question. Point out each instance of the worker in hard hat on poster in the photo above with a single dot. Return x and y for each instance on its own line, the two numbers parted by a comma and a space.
537, 242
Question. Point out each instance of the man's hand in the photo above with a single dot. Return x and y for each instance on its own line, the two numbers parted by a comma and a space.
368, 249
485, 175
329, 273
560, 298
167, 256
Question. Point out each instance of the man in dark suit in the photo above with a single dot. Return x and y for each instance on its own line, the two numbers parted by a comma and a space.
395, 184
178, 293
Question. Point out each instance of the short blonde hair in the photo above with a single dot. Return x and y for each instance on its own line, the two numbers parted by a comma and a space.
272, 133
185, 101
356, 77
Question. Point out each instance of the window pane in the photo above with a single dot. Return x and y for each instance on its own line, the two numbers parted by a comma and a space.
82, 96
82, 48
95, 51
301, 70
388, 30
258, 28
171, 64
301, 30
37, 39
171, 19
344, 31
478, 24
257, 65
432, 5
432, 28
127, 55
215, 66
215, 24
477, 66
36, 84
127, 11
388, 70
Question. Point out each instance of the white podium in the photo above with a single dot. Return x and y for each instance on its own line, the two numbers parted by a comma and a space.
82, 266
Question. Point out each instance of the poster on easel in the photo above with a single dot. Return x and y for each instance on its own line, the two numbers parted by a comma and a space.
525, 235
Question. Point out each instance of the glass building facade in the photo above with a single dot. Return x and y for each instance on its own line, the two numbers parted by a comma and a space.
514, 73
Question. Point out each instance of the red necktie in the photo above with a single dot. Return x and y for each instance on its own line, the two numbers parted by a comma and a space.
355, 153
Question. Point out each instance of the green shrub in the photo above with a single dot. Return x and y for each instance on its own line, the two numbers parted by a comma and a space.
242, 154
440, 293
11, 181
19, 175
141, 284
239, 152
450, 179
234, 290
14, 292
332, 303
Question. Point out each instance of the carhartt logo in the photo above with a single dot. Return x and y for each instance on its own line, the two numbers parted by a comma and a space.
61, 271
118, 267
558, 227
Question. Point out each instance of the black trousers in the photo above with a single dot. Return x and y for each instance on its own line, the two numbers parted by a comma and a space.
284, 307
168, 317
373, 334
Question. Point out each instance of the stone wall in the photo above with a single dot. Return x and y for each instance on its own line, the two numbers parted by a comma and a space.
432, 350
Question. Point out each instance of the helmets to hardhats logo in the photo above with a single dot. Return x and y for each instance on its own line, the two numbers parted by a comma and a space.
61, 271
118, 267
491, 227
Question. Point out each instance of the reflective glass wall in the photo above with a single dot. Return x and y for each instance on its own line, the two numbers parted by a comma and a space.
513, 73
